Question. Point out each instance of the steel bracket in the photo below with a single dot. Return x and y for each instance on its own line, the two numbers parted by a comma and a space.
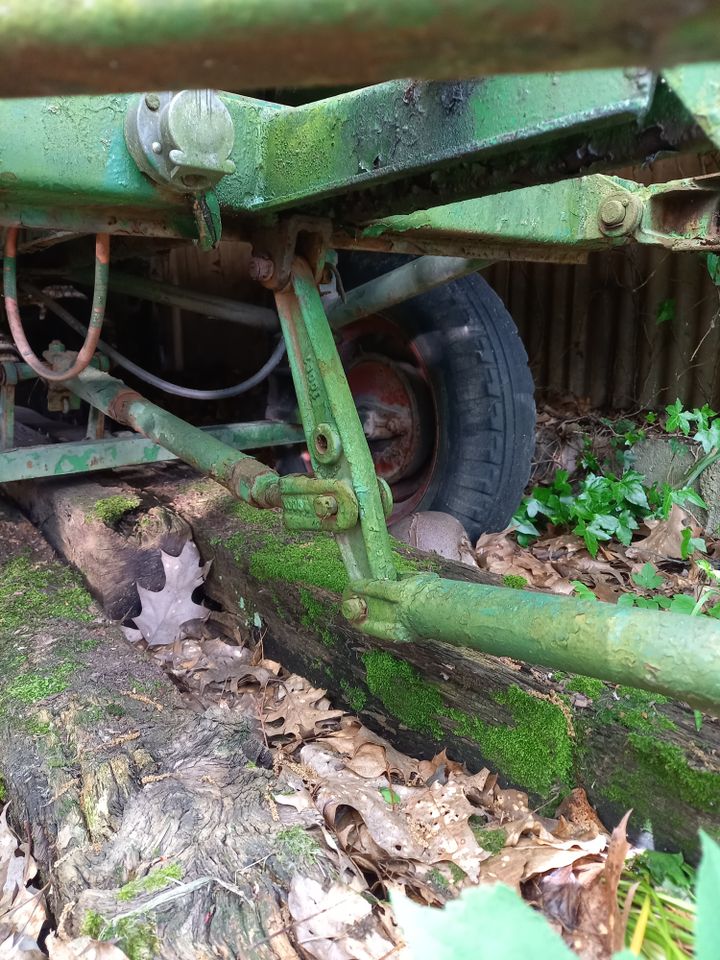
310, 503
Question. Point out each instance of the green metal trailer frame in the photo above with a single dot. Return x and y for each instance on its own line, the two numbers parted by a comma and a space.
458, 172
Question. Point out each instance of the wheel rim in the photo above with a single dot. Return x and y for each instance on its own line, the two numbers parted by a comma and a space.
396, 402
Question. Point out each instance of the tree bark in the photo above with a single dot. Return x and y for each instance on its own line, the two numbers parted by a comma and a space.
120, 779
542, 732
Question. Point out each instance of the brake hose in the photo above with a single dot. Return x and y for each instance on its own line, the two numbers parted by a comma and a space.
175, 389
97, 315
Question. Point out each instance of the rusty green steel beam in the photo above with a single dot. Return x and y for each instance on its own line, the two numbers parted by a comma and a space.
52, 46
559, 222
673, 654
243, 476
394, 147
85, 456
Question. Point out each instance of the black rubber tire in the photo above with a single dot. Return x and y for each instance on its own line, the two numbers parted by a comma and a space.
483, 392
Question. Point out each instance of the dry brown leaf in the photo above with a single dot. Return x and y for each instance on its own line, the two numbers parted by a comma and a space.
665, 539
335, 924
298, 710
83, 948
368, 754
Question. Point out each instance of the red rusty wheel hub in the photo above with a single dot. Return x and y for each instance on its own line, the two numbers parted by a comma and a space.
394, 398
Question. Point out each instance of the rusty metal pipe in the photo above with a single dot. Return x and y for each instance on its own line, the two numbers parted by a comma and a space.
245, 477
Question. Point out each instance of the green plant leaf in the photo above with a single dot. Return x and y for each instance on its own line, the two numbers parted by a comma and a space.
665, 312
484, 923
707, 934
713, 265
678, 418
709, 437
584, 592
647, 577
682, 603
689, 544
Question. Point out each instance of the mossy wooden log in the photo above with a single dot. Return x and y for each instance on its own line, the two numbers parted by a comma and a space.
127, 792
542, 732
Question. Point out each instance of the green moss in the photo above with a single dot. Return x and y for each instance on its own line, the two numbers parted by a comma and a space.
657, 766
436, 878
137, 938
456, 872
37, 728
268, 519
636, 710
404, 563
297, 846
535, 751
33, 592
491, 840
155, 880
403, 692
315, 561
110, 510
514, 581
355, 696
588, 686
317, 615
31, 687
3, 791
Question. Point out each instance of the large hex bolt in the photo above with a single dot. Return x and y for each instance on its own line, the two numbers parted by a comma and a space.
261, 268
325, 507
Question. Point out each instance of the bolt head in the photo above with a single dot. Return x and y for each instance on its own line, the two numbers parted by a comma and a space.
261, 269
325, 507
152, 101
156, 146
612, 212
354, 609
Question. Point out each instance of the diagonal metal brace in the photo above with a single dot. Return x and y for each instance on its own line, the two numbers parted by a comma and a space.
336, 442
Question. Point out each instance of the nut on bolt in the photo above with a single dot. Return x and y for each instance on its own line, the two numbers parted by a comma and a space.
261, 269
354, 609
325, 507
612, 212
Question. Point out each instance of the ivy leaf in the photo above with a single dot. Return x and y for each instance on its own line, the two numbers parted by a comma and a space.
647, 577
689, 544
709, 437
678, 418
682, 603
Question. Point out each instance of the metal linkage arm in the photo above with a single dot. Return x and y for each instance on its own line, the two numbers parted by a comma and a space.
670, 653
244, 476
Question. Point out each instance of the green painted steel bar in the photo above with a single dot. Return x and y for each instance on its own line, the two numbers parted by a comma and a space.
208, 304
335, 438
669, 653
403, 283
63, 459
244, 476
394, 130
399, 146
50, 46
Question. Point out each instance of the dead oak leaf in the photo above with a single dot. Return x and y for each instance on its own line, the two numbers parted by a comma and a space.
299, 709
